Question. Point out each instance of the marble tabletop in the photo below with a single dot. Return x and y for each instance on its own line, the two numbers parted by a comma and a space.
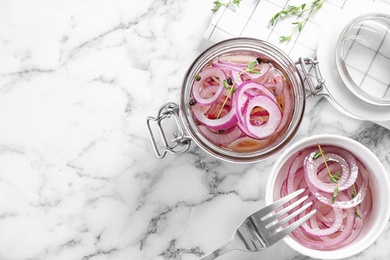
78, 175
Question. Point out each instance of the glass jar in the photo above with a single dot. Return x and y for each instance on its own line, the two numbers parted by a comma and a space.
188, 125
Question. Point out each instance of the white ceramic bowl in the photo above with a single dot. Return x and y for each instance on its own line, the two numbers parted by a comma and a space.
379, 183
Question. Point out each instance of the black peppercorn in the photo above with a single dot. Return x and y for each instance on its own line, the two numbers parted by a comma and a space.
229, 81
262, 60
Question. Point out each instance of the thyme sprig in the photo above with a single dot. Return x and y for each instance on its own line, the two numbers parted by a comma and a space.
333, 177
302, 12
218, 4
354, 193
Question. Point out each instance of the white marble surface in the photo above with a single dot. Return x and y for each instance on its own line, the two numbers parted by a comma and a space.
78, 176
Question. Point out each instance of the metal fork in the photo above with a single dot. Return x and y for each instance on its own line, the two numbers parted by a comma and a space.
266, 226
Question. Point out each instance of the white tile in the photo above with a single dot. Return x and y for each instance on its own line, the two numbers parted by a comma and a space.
338, 3
209, 31
374, 87
219, 35
232, 22
247, 7
380, 69
371, 34
285, 26
360, 58
264, 12
324, 15
356, 76
385, 47
284, 46
217, 15
295, 2
387, 94
301, 50
256, 30
280, 3
310, 35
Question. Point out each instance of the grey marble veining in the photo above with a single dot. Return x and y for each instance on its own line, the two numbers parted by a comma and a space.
78, 176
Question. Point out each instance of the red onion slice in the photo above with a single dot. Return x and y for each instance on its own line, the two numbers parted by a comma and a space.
315, 229
275, 81
244, 93
225, 122
311, 171
275, 116
199, 86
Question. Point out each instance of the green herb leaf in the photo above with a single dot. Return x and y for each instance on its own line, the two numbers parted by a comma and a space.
237, 2
300, 11
335, 193
299, 25
274, 18
216, 7
316, 155
357, 213
218, 4
285, 38
252, 65
226, 85
333, 179
253, 71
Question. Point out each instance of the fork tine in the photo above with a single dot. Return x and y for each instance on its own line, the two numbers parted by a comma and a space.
264, 212
283, 221
285, 231
284, 210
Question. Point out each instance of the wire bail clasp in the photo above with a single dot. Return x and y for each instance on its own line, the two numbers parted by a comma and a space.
180, 143
308, 65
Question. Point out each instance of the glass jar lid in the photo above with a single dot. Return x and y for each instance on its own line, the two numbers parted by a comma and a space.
363, 58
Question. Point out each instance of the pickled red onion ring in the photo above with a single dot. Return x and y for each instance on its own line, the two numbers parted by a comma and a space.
244, 93
227, 121
268, 128
198, 86
315, 230
311, 169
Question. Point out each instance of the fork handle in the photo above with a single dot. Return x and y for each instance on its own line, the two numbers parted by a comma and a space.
216, 253
212, 255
